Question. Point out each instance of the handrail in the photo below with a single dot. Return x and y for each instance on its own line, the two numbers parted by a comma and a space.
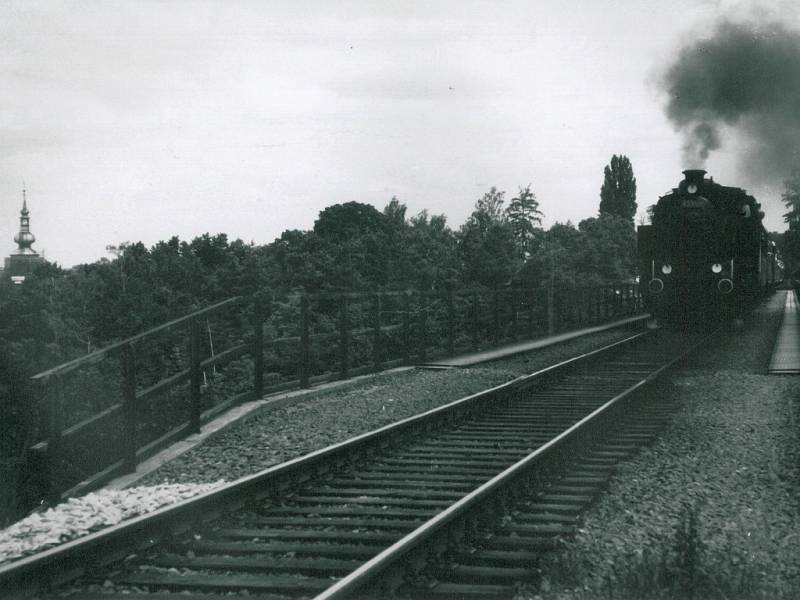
98, 355
463, 291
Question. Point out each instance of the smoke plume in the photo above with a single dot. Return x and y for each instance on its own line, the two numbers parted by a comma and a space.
745, 77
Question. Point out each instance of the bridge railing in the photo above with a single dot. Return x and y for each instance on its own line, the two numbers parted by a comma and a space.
110, 409
315, 338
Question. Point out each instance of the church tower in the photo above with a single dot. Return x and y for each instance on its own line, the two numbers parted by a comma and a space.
24, 259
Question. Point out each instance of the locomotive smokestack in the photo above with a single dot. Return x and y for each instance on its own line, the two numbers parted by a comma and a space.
694, 176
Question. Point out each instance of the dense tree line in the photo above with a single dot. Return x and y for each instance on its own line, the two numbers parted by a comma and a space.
59, 314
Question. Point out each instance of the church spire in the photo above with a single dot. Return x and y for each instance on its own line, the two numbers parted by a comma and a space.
24, 238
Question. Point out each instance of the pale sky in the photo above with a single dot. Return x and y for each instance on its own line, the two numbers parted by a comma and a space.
137, 121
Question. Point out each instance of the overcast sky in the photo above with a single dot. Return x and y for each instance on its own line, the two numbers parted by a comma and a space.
135, 121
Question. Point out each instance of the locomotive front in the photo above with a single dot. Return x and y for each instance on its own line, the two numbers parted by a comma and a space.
700, 258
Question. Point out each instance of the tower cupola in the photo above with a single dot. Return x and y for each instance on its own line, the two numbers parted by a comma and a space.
24, 238
24, 259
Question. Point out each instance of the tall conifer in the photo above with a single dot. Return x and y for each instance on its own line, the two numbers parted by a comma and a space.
618, 193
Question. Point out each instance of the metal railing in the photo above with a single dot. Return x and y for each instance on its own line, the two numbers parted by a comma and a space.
123, 446
285, 343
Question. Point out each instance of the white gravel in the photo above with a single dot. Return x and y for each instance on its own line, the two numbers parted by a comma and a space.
78, 517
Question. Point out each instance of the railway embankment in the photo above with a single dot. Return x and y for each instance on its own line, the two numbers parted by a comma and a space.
270, 436
712, 508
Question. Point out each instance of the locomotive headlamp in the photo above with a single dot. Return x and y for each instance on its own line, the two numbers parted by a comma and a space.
666, 269
691, 188
655, 286
716, 268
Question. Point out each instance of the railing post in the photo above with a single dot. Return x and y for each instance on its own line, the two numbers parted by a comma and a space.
423, 333
305, 350
530, 296
451, 323
512, 293
598, 312
575, 309
55, 424
475, 321
407, 327
195, 376
376, 334
129, 408
344, 334
258, 345
601, 304
612, 302
625, 299
496, 316
631, 300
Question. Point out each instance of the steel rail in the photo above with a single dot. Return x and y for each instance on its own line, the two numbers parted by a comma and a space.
347, 586
74, 556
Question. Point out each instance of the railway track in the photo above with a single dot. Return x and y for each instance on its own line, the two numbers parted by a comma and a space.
463, 499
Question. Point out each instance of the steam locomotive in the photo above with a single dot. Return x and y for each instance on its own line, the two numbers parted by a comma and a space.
706, 255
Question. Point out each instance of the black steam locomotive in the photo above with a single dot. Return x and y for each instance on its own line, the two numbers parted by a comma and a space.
706, 255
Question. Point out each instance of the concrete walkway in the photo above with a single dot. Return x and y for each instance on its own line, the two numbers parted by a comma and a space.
466, 360
786, 354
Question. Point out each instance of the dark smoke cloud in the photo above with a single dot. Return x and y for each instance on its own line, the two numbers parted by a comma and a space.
702, 138
746, 77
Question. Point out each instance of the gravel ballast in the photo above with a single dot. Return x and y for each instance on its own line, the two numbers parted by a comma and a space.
81, 516
270, 436
710, 510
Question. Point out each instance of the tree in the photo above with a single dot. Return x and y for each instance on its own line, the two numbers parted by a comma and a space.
356, 237
430, 258
556, 264
395, 213
486, 242
618, 192
299, 260
790, 248
351, 219
608, 252
525, 217
489, 207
